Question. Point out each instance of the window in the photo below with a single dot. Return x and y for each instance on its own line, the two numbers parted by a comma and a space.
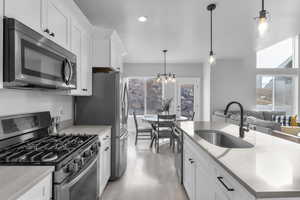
154, 96
187, 100
144, 96
282, 55
136, 96
278, 93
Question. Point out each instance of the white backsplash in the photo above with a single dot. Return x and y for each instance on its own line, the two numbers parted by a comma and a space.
25, 101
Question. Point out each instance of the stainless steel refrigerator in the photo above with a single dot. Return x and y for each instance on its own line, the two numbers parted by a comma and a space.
107, 106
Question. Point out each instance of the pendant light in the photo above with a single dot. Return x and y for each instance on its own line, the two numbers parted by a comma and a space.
212, 59
262, 20
166, 77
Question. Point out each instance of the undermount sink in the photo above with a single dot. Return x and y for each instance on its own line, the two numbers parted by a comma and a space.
222, 139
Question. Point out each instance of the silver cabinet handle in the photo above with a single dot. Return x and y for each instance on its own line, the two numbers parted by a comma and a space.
220, 178
191, 161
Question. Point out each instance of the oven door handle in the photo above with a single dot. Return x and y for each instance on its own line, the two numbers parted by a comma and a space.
77, 178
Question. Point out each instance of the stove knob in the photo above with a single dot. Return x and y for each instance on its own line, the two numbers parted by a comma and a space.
78, 162
87, 154
72, 168
95, 148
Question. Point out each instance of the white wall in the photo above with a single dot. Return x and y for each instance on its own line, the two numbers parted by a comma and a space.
151, 69
206, 100
21, 101
233, 80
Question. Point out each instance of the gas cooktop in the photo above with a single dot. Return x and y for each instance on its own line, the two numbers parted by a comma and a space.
47, 150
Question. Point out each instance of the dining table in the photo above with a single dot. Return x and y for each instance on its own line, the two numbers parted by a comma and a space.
153, 119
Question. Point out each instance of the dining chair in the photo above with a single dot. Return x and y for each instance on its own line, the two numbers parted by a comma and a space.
141, 133
164, 129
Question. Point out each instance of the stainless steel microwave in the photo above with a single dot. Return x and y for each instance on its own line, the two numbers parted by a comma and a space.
33, 61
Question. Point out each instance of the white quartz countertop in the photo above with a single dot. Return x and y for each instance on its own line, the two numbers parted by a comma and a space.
271, 169
17, 180
86, 129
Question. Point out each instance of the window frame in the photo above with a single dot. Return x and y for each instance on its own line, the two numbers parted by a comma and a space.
296, 85
295, 56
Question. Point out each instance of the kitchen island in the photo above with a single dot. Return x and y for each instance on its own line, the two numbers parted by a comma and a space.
269, 169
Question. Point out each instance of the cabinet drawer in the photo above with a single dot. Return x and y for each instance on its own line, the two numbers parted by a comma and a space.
231, 187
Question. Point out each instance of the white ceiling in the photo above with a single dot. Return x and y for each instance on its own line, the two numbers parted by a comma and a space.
182, 26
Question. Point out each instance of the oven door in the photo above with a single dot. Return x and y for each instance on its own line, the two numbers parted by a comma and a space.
33, 60
84, 186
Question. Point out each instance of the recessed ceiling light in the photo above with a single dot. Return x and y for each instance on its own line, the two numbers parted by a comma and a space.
143, 19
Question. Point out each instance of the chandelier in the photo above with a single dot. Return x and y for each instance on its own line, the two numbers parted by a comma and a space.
166, 77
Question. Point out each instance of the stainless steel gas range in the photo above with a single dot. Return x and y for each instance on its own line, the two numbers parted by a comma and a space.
25, 140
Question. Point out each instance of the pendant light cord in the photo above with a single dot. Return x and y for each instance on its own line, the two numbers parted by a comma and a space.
263, 4
165, 60
211, 30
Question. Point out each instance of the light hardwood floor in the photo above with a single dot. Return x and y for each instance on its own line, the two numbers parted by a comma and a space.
149, 176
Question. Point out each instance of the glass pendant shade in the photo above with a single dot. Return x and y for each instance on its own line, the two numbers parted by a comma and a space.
263, 25
262, 20
211, 59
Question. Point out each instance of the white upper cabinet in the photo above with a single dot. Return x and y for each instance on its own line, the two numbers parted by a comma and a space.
108, 51
86, 69
48, 17
81, 46
28, 12
56, 22
65, 24
76, 45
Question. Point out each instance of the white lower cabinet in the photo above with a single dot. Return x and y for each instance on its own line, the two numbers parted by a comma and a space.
204, 179
41, 191
105, 159
189, 173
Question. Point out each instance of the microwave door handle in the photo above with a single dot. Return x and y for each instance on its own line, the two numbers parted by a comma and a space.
71, 71
65, 75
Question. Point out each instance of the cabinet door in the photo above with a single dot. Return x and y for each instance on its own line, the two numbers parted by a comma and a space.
41, 191
204, 184
220, 194
28, 12
113, 53
57, 22
205, 176
85, 64
107, 162
116, 60
76, 37
101, 170
189, 173
101, 53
